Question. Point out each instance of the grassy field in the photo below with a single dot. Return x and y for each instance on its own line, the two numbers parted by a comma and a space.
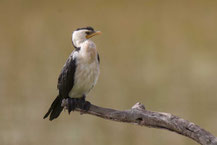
160, 53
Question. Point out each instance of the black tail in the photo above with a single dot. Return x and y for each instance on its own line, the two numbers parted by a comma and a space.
55, 108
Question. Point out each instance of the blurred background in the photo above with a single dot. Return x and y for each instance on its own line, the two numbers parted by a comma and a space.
160, 53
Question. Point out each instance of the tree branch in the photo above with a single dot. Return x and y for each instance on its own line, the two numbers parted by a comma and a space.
140, 116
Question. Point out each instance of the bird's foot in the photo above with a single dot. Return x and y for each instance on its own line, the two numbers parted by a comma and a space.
86, 106
80, 103
83, 104
72, 103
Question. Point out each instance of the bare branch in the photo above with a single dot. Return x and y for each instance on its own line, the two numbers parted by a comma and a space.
140, 116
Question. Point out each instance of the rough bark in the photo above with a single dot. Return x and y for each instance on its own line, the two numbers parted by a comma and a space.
140, 116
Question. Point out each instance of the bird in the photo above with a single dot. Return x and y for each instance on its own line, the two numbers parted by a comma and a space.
79, 74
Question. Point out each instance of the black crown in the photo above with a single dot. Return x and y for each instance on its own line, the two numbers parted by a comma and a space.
86, 28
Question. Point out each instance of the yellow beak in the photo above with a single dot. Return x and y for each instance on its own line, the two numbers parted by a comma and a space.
93, 34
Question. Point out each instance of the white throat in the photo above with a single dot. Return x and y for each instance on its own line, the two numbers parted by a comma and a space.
78, 42
78, 37
87, 52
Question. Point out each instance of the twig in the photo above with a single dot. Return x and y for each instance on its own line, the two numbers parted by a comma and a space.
140, 116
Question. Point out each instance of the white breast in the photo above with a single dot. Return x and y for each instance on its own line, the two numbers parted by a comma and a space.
87, 72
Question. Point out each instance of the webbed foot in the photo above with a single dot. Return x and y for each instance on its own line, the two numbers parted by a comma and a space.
71, 104
83, 104
80, 103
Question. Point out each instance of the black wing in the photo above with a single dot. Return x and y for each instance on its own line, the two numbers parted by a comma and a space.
66, 78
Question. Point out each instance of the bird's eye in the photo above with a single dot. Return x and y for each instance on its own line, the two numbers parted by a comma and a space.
88, 33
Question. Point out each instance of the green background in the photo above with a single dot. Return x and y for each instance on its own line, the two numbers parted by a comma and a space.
161, 53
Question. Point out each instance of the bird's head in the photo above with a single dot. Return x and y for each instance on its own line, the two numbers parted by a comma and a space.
82, 34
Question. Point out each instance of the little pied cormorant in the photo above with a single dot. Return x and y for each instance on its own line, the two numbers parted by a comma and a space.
79, 74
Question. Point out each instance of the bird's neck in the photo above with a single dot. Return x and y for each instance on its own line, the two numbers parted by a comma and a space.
88, 51
78, 43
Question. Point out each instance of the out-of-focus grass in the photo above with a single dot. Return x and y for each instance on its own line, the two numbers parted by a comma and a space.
161, 53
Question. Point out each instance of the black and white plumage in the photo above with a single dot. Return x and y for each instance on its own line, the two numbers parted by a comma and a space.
79, 74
